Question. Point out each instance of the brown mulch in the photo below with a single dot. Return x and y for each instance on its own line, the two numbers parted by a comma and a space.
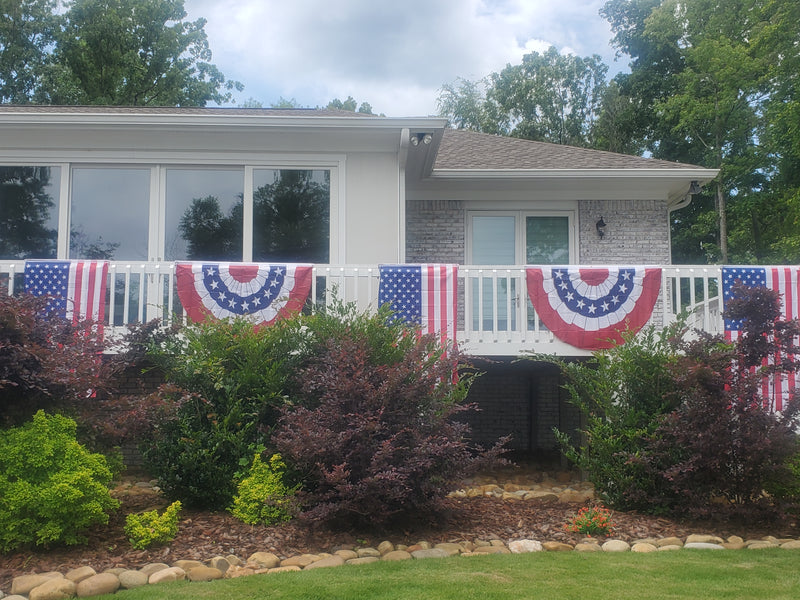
203, 535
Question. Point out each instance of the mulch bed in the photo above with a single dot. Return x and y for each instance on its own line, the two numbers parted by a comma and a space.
203, 535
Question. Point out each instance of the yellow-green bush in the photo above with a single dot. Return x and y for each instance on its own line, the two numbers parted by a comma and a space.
51, 488
263, 497
148, 528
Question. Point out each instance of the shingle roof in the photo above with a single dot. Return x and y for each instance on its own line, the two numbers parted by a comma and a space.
468, 150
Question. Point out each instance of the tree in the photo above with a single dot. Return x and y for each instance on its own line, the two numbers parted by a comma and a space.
350, 105
114, 52
549, 97
27, 29
210, 234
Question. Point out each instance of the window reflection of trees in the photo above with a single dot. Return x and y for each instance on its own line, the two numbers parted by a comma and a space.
291, 218
27, 213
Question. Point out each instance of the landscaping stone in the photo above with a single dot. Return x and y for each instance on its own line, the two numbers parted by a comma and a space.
302, 560
557, 547
204, 573
396, 555
385, 547
264, 560
793, 545
703, 546
79, 574
450, 548
289, 569
699, 538
644, 547
186, 565
669, 547
170, 574
525, 546
363, 552
328, 561
366, 560
588, 547
616, 546
349, 554
219, 562
151, 568
96, 585
129, 580
492, 550
761, 544
669, 541
234, 560
23, 584
57, 588
429, 553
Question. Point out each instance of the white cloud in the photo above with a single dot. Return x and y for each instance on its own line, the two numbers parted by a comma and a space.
394, 55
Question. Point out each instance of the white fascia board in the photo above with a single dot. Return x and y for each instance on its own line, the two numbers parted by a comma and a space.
111, 119
700, 174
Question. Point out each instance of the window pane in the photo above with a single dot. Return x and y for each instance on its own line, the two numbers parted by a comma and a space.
29, 212
547, 240
204, 214
109, 218
493, 240
291, 215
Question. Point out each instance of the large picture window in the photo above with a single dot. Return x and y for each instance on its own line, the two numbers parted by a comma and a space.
28, 212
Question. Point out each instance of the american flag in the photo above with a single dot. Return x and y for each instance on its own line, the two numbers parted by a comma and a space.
77, 289
424, 295
784, 280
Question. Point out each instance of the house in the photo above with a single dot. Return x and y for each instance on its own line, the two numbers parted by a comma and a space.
145, 187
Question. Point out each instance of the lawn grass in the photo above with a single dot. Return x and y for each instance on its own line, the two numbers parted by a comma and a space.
696, 574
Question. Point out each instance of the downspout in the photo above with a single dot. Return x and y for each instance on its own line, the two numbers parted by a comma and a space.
402, 158
683, 203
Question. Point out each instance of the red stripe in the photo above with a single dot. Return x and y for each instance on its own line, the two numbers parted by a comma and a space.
90, 306
431, 299
76, 292
443, 288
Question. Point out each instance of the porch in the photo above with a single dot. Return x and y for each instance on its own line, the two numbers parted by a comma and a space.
495, 316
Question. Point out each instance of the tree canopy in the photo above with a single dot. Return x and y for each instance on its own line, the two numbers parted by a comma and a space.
112, 52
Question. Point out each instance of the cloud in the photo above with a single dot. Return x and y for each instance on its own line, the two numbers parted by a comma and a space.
394, 55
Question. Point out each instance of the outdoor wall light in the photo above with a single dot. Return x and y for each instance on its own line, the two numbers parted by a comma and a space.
694, 188
425, 138
601, 228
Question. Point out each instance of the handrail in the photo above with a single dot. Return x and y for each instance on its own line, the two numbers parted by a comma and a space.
495, 315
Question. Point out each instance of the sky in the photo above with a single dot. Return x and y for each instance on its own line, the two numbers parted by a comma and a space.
394, 54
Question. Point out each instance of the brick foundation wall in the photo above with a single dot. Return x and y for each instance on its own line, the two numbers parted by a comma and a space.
435, 231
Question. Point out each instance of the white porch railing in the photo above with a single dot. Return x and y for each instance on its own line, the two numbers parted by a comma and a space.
495, 316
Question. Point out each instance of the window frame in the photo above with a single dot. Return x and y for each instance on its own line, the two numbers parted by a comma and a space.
520, 230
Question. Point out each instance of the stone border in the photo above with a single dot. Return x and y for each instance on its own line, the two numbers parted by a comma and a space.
85, 582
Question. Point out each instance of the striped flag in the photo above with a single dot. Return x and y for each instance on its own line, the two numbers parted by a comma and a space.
77, 288
784, 280
424, 295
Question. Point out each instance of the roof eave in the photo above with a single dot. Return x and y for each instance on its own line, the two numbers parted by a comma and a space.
701, 175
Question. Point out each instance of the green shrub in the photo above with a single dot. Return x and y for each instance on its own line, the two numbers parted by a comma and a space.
263, 497
51, 488
225, 383
148, 528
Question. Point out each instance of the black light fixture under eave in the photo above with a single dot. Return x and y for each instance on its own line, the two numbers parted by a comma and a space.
601, 228
694, 188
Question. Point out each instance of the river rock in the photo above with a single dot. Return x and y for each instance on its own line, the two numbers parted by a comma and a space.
557, 547
57, 588
588, 547
525, 546
170, 574
362, 552
151, 568
203, 573
450, 548
703, 546
702, 538
366, 560
328, 561
289, 569
187, 565
219, 562
669, 541
396, 555
644, 547
102, 583
264, 560
385, 547
130, 579
616, 546
349, 554
23, 584
301, 560
429, 553
793, 545
79, 574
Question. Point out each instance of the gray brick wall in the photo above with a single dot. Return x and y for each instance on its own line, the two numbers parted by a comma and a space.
636, 232
435, 231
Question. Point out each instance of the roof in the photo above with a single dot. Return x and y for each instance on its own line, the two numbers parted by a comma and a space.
180, 110
467, 150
